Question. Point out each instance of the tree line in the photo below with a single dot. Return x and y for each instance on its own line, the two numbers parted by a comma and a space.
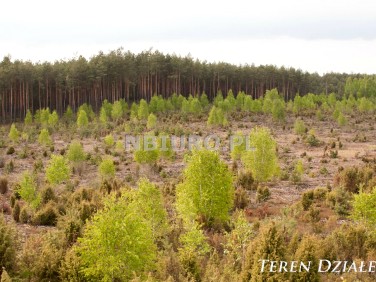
124, 75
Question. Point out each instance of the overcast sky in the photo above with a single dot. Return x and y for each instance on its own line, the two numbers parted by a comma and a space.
313, 35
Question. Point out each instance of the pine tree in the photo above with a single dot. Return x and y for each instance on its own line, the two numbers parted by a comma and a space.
109, 141
28, 118
299, 127
147, 153
14, 134
117, 111
278, 110
82, 119
44, 137
53, 119
143, 110
68, 115
107, 168
204, 100
76, 153
152, 121
103, 116
238, 146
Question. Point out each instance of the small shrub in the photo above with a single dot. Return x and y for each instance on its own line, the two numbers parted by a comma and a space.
262, 194
25, 214
44, 138
7, 245
340, 200
246, 180
11, 151
313, 214
241, 198
47, 215
14, 134
299, 127
107, 168
9, 167
333, 154
109, 141
312, 139
307, 199
57, 170
47, 194
16, 211
3, 185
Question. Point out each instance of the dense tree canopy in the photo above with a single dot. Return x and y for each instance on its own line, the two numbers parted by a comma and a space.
124, 75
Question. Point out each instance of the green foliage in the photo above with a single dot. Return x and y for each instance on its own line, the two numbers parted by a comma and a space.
119, 146
270, 246
299, 127
7, 245
117, 111
143, 110
195, 106
14, 134
340, 200
44, 138
206, 193
88, 110
164, 146
41, 256
116, 244
238, 145
238, 239
82, 119
262, 159
311, 139
193, 247
42, 116
68, 115
204, 100
147, 151
278, 110
53, 119
134, 111
217, 117
364, 207
298, 172
365, 105
57, 170
342, 121
148, 202
103, 116
47, 215
76, 153
28, 118
109, 141
306, 252
218, 98
152, 121
28, 190
262, 194
107, 168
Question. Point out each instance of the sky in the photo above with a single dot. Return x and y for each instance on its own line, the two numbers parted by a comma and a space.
312, 35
